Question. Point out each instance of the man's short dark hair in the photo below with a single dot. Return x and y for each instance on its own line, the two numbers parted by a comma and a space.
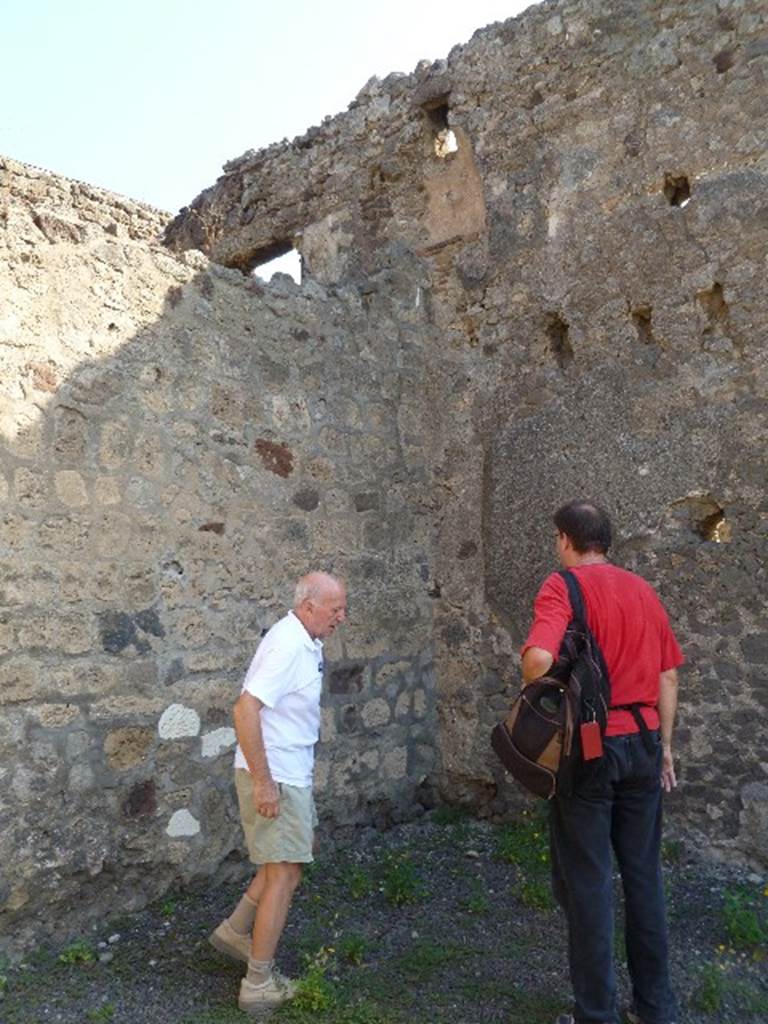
586, 524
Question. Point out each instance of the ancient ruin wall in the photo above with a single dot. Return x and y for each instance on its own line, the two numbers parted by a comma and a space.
596, 253
571, 300
177, 444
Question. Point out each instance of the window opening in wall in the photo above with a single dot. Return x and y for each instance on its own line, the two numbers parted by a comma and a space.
280, 258
444, 141
677, 189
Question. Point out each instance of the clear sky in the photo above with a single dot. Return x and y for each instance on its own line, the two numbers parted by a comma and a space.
149, 98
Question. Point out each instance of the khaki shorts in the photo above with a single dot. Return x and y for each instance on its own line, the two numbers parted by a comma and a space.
289, 836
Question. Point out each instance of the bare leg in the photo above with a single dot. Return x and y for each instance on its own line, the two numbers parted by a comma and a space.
256, 888
277, 889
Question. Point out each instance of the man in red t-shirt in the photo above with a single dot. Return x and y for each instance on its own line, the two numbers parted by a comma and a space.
617, 804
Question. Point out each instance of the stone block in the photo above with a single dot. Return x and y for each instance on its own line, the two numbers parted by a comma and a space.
753, 821
376, 713
70, 488
107, 490
127, 747
327, 725
218, 741
403, 705
126, 706
30, 488
56, 716
178, 721
396, 764
20, 680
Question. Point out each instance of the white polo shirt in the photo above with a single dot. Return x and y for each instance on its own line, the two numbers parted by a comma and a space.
286, 675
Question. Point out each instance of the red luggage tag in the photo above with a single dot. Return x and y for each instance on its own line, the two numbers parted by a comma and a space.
591, 741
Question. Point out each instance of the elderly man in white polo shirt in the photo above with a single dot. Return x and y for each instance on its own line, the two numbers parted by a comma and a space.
277, 720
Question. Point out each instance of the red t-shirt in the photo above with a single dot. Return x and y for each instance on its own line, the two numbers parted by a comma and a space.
630, 625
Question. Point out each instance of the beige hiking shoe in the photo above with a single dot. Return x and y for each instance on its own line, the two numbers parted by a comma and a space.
273, 992
227, 941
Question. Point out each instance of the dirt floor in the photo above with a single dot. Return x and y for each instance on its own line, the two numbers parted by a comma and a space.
443, 920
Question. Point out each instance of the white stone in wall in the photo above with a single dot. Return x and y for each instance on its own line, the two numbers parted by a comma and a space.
177, 721
217, 741
182, 823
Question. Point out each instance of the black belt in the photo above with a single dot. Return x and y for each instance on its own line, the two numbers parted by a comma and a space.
634, 710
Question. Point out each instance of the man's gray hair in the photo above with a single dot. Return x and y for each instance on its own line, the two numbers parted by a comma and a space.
312, 586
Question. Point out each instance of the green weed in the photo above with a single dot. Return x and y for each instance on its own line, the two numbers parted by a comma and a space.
537, 894
102, 1014
358, 882
526, 845
447, 815
219, 1015
743, 925
672, 851
424, 958
168, 907
400, 880
709, 991
314, 993
478, 903
352, 949
78, 953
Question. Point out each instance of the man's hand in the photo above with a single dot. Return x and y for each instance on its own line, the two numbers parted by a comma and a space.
668, 778
266, 798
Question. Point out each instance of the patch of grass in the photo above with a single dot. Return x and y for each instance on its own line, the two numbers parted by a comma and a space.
400, 880
314, 993
672, 851
77, 953
341, 1011
447, 815
526, 845
168, 907
352, 949
102, 1014
536, 893
228, 1014
753, 1000
709, 989
424, 958
742, 919
478, 903
358, 882
309, 871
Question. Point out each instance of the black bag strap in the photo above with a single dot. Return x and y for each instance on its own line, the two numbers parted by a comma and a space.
580, 618
576, 598
634, 710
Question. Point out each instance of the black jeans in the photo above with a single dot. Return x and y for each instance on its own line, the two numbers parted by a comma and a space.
617, 805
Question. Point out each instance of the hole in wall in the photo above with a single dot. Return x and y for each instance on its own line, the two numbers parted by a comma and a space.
677, 189
278, 258
724, 61
715, 527
705, 517
444, 138
713, 302
559, 342
641, 317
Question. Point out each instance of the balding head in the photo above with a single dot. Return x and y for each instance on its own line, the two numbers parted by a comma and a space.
320, 602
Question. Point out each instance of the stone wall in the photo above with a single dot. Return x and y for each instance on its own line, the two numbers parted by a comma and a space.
177, 444
595, 252
531, 271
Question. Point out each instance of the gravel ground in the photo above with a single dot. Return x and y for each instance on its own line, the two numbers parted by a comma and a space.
443, 920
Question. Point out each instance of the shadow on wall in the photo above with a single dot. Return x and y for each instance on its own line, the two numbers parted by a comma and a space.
178, 444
